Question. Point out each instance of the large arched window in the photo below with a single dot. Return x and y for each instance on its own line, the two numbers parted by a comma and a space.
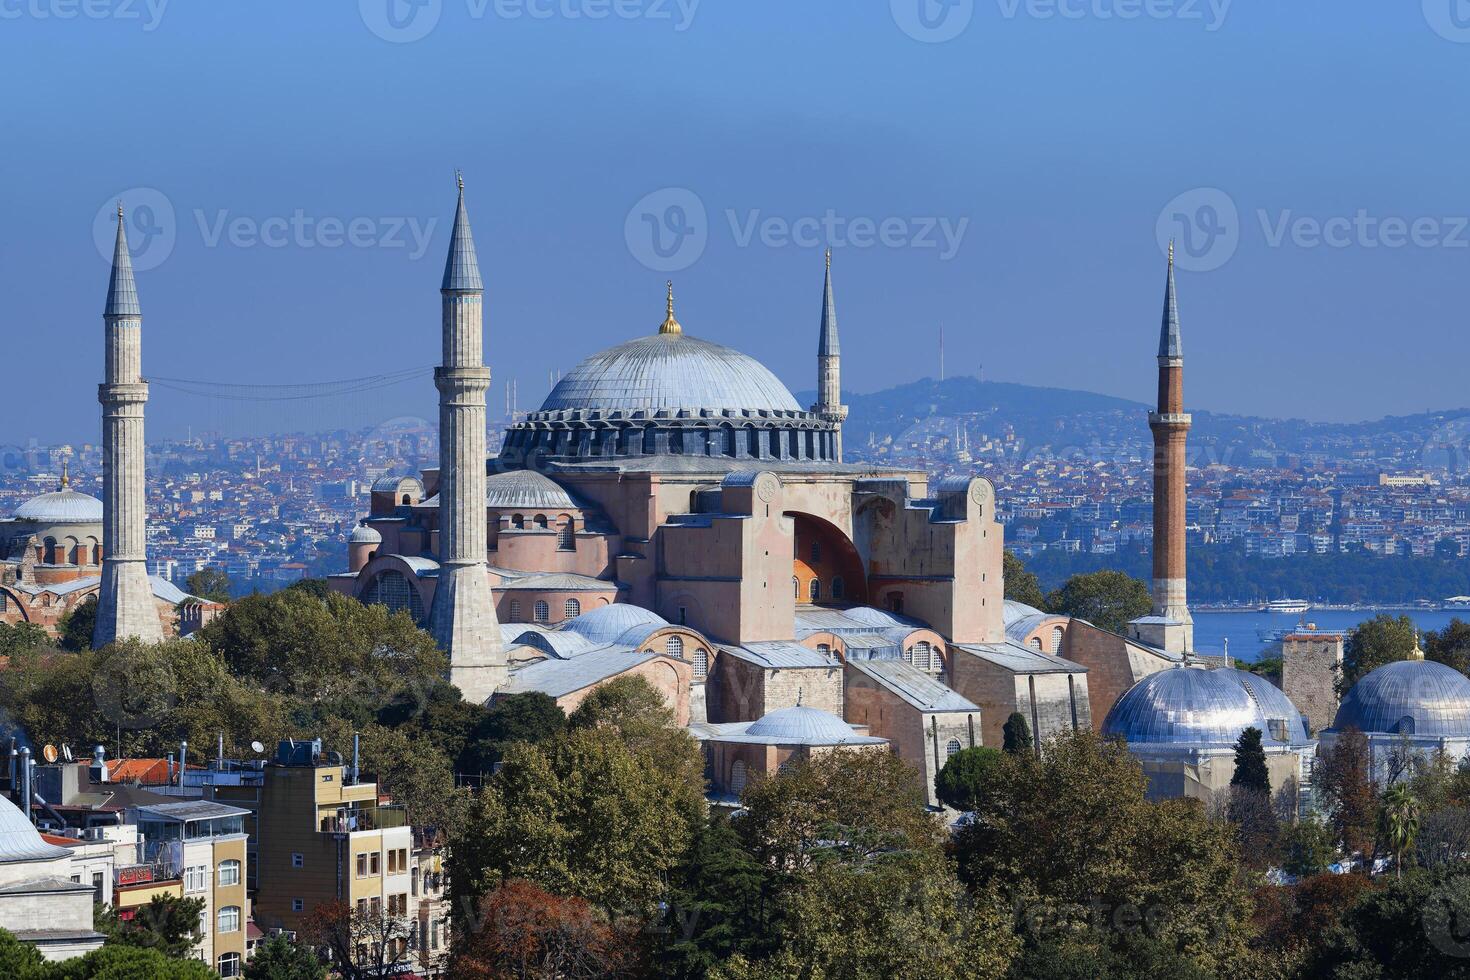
952, 748
1056, 639
675, 647
701, 663
566, 539
573, 609
737, 777
816, 589
542, 611
392, 589
838, 587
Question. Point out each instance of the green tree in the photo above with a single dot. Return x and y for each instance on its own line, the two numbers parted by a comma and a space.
1250, 799
531, 718
167, 924
77, 626
1450, 646
1398, 823
22, 638
278, 958
1412, 929
718, 905
1344, 779
209, 583
1109, 600
1021, 585
966, 777
1070, 839
414, 774
1250, 763
18, 960
1307, 848
113, 962
1373, 643
1016, 735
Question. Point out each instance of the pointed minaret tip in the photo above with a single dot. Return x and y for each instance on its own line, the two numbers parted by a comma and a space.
1170, 344
827, 338
670, 325
122, 290
462, 267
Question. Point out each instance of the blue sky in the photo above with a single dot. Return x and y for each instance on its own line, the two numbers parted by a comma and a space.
1011, 183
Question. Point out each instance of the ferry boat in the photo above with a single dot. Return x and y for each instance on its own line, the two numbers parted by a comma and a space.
1291, 607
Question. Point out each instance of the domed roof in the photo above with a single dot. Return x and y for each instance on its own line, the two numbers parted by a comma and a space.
362, 534
670, 371
19, 841
64, 506
1197, 707
606, 623
526, 488
800, 725
395, 484
1413, 697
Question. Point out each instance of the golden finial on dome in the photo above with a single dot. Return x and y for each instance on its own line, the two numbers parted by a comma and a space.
65, 474
671, 325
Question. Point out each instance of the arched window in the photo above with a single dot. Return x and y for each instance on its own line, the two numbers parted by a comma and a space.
920, 654
1056, 639
573, 609
816, 589
838, 587
407, 500
229, 964
229, 873
816, 552
51, 556
566, 538
541, 521
701, 662
908, 655
952, 747
795, 587
229, 919
515, 610
542, 611
825, 649
518, 521
737, 777
675, 646
392, 589
1036, 642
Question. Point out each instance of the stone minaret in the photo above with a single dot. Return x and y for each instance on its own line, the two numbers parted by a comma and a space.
125, 606
462, 619
1170, 626
829, 366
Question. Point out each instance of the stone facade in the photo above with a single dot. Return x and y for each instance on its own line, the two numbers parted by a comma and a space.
1114, 664
1310, 666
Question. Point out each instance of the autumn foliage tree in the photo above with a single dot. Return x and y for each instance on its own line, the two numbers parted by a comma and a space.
1344, 778
525, 932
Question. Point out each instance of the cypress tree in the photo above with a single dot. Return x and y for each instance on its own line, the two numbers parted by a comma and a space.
1017, 734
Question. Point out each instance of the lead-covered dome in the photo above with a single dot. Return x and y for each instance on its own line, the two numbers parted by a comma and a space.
803, 726
1195, 707
670, 371
64, 506
1410, 697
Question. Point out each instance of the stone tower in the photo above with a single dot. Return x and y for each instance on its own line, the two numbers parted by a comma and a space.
462, 618
125, 606
829, 365
1169, 626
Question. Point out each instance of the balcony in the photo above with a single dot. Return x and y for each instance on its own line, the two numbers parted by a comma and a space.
348, 820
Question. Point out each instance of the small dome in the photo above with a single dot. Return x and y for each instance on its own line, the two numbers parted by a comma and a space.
1199, 707
1412, 697
528, 489
362, 534
19, 841
65, 506
606, 623
398, 484
800, 725
670, 371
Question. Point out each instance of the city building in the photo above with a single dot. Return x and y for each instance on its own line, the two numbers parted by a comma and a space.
41, 902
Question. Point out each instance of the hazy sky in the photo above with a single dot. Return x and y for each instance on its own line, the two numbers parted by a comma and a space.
292, 165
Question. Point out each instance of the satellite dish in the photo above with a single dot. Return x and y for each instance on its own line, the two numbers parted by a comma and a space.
66, 752
49, 752
257, 747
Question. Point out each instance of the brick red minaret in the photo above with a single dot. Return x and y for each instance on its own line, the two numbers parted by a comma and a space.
1170, 626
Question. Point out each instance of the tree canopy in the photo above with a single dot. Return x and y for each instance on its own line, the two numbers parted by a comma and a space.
1106, 599
209, 583
1021, 585
1373, 643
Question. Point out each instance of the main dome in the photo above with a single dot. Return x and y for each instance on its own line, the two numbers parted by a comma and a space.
64, 506
670, 371
1201, 708
1410, 697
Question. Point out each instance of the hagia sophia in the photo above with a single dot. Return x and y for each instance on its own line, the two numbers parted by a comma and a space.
672, 512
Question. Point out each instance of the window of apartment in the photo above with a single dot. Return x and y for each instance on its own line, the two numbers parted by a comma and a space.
97, 890
229, 919
298, 860
362, 865
229, 965
229, 873
196, 878
375, 863
298, 905
375, 907
362, 906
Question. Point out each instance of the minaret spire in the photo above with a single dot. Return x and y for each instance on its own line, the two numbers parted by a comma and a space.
125, 605
462, 617
1170, 627
829, 367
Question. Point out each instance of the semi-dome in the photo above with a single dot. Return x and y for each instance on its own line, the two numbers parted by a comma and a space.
528, 489
1196, 707
606, 623
670, 371
801, 726
64, 506
1410, 697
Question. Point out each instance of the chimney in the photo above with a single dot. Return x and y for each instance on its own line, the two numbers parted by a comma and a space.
98, 770
25, 783
356, 745
183, 756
